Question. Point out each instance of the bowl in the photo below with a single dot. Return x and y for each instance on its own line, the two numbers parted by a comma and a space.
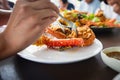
102, 30
117, 77
110, 57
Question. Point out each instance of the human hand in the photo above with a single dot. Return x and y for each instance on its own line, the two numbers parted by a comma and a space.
115, 4
27, 22
4, 5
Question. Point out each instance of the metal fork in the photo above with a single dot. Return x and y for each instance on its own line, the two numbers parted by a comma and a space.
70, 23
62, 27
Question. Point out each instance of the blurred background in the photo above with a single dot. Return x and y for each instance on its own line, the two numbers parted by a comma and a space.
91, 6
103, 10
75, 2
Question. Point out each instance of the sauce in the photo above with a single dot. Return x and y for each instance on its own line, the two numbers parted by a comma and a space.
114, 54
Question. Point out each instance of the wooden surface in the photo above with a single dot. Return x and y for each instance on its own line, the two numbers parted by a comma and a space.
17, 68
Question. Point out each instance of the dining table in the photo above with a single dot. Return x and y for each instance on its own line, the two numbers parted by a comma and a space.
18, 68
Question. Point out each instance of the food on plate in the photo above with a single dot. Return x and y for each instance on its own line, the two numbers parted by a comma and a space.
97, 20
54, 37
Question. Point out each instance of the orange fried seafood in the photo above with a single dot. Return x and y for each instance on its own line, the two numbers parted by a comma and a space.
55, 33
84, 32
62, 42
87, 34
83, 37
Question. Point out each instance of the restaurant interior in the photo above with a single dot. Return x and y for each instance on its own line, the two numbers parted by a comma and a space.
82, 44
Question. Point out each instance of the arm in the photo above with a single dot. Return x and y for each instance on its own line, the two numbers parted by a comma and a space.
3, 48
36, 16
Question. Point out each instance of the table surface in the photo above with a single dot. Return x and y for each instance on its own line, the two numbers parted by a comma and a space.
17, 68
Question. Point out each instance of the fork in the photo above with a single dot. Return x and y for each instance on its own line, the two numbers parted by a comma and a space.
70, 23
62, 27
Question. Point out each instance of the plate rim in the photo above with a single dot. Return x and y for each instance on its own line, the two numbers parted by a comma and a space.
66, 62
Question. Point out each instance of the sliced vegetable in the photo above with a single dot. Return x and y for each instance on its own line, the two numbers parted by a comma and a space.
95, 19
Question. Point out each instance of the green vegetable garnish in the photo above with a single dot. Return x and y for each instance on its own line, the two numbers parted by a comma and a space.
83, 16
90, 16
117, 22
95, 19
65, 11
74, 15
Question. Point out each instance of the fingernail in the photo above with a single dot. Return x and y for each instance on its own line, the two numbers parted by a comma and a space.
53, 18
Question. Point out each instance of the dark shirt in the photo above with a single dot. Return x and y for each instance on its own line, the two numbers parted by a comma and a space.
70, 6
11, 4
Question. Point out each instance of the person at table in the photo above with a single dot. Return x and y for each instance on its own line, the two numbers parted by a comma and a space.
4, 5
108, 11
65, 5
11, 4
30, 24
36, 16
89, 6
115, 4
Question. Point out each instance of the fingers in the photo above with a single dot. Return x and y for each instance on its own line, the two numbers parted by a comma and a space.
47, 13
34, 8
42, 17
39, 4
32, 16
35, 0
39, 29
38, 17
45, 20
44, 5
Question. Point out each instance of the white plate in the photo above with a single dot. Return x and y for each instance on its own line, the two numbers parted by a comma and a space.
117, 77
44, 55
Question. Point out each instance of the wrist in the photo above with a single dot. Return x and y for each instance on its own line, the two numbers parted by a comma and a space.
2, 43
2, 46
5, 49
